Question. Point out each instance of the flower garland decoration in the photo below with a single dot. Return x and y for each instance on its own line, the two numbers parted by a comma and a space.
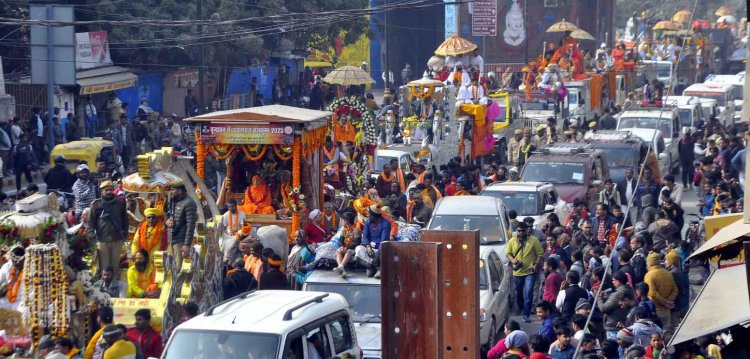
9, 233
283, 153
296, 173
50, 229
296, 199
419, 92
200, 152
221, 152
254, 152
361, 116
312, 140
46, 286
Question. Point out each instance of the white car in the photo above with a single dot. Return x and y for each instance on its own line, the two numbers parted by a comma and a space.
364, 295
274, 324
467, 213
383, 157
529, 199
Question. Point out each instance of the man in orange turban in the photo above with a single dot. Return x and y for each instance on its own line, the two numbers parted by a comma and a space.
257, 198
150, 234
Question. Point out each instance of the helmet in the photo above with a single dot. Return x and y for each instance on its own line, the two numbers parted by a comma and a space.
60, 159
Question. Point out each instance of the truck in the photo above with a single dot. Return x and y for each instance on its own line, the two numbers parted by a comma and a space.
723, 93
585, 97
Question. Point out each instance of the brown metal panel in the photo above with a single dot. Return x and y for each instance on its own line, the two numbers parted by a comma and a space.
460, 288
411, 300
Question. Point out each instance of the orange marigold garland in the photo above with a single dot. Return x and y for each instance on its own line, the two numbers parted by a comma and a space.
312, 140
254, 152
200, 152
221, 152
296, 172
46, 287
283, 153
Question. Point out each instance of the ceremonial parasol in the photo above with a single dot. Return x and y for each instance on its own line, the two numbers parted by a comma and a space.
724, 10
562, 26
348, 75
436, 62
158, 182
582, 35
665, 25
728, 18
681, 16
454, 46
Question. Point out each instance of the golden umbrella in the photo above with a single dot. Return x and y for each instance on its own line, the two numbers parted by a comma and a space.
562, 26
581, 35
681, 16
454, 46
347, 76
724, 10
665, 25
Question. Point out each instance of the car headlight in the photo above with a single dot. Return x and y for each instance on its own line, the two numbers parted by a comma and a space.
482, 315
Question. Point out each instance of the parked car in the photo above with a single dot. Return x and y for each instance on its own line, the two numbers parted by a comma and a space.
576, 170
529, 199
665, 119
485, 213
723, 93
689, 108
291, 324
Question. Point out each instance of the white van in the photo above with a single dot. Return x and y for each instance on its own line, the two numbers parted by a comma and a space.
721, 92
689, 108
738, 87
269, 324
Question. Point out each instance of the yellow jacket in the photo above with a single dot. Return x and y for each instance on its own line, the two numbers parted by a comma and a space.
91, 347
121, 349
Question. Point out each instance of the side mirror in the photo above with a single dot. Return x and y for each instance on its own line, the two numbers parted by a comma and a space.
663, 156
596, 183
549, 208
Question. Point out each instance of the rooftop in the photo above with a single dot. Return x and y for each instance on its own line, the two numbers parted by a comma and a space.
264, 114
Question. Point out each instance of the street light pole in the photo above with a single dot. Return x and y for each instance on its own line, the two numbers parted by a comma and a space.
201, 74
386, 65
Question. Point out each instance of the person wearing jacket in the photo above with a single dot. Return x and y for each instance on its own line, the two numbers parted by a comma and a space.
602, 223
643, 327
647, 210
58, 177
663, 232
108, 226
614, 315
144, 336
686, 150
181, 220
681, 280
610, 195
662, 289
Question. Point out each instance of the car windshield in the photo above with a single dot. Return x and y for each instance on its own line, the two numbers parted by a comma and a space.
525, 203
573, 98
488, 226
686, 117
619, 156
663, 70
501, 112
720, 97
662, 124
554, 172
381, 161
195, 344
363, 299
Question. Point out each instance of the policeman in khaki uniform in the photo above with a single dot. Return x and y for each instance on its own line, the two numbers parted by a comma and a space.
514, 147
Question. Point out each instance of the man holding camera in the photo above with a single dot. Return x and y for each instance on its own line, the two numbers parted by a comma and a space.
525, 254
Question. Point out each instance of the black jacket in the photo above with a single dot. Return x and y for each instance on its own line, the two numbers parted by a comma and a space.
572, 295
273, 279
686, 151
184, 214
59, 178
238, 282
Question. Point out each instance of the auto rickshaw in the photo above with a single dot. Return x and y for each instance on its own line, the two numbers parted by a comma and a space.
85, 150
